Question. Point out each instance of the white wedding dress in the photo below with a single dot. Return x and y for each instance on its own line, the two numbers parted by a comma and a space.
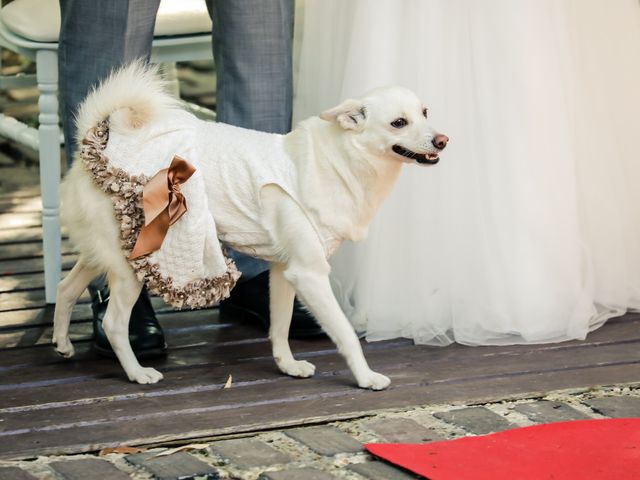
528, 230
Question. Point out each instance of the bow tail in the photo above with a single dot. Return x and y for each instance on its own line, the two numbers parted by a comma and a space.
151, 236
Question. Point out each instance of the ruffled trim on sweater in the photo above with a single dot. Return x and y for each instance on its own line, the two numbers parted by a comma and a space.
125, 191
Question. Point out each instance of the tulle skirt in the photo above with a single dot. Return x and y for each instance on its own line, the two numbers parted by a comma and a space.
528, 230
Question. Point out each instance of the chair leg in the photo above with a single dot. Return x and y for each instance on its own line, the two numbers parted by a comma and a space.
49, 153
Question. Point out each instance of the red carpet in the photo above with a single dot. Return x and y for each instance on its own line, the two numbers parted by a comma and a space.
580, 450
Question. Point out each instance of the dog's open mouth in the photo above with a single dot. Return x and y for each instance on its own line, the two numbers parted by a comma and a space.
428, 158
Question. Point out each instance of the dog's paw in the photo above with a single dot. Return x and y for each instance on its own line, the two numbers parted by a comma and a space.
298, 368
64, 347
374, 381
145, 375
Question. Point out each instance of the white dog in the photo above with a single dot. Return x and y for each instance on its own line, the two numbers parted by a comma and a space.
339, 167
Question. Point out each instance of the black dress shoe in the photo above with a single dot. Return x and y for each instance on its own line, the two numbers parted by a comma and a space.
250, 300
145, 334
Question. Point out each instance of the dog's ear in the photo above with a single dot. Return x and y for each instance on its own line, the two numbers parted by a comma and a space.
350, 114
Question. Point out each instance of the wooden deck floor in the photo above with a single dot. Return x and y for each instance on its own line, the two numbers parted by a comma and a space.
52, 405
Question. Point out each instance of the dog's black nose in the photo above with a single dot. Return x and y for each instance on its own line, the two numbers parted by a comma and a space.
440, 141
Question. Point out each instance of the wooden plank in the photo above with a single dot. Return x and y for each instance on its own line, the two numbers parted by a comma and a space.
28, 360
237, 410
27, 281
39, 316
214, 351
212, 347
406, 365
82, 330
86, 374
234, 348
20, 220
32, 265
188, 346
18, 300
20, 205
27, 234
247, 359
34, 298
206, 346
42, 315
15, 336
25, 192
23, 250
186, 342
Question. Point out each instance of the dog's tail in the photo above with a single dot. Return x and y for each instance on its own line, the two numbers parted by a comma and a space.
130, 97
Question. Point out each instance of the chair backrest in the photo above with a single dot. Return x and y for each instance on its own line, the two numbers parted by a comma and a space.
39, 20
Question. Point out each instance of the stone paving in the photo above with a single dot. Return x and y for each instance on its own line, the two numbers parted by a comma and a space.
334, 450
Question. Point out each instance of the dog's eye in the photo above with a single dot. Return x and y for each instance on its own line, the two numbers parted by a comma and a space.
424, 112
399, 123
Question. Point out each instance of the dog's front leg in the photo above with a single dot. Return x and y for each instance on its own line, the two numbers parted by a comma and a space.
308, 271
315, 291
281, 296
125, 289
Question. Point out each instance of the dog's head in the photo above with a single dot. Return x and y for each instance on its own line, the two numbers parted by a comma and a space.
392, 122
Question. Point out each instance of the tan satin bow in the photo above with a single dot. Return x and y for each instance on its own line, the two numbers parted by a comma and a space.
164, 204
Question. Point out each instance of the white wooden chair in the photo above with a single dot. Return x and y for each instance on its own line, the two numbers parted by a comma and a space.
31, 28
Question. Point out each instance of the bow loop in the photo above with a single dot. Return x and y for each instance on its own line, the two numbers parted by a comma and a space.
164, 204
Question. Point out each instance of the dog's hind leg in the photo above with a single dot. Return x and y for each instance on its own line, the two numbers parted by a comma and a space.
124, 291
69, 290
281, 295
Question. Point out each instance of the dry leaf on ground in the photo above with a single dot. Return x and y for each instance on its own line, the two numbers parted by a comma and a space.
123, 449
192, 446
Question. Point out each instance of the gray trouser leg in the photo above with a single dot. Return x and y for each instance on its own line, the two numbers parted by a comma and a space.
252, 46
95, 37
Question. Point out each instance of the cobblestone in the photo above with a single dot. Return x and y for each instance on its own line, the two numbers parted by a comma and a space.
325, 440
15, 473
379, 470
478, 420
172, 467
297, 474
402, 430
249, 453
85, 468
546, 411
616, 407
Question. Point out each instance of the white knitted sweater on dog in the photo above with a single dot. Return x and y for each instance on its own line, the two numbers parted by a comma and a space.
223, 195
